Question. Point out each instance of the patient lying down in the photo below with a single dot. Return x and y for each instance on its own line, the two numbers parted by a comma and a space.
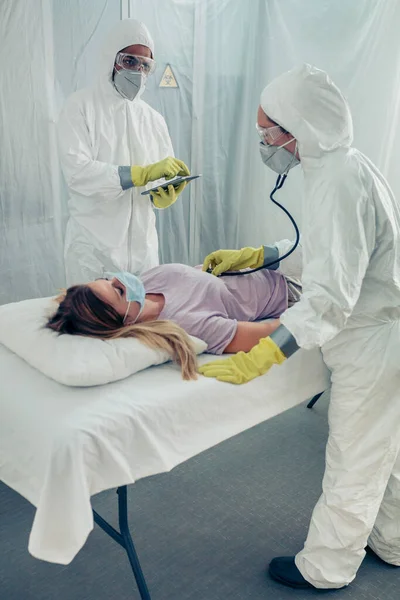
180, 300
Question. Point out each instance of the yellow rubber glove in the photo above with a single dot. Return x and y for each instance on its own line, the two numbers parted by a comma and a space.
163, 198
245, 366
168, 168
234, 260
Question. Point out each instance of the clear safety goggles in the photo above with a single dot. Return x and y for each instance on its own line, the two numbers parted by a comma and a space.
133, 62
270, 135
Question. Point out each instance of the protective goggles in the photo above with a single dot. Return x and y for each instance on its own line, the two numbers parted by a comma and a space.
270, 135
132, 62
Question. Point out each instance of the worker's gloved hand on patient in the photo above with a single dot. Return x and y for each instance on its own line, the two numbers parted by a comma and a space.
168, 168
163, 198
221, 261
245, 366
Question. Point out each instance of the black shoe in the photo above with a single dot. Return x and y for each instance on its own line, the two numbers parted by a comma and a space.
284, 570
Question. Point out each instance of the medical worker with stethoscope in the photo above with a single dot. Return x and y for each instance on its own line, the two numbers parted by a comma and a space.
350, 308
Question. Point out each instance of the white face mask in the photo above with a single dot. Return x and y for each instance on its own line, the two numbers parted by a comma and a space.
278, 158
130, 84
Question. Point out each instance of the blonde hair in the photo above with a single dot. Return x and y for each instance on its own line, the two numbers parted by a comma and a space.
82, 312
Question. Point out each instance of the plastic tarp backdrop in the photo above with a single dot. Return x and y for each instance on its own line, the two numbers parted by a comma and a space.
222, 53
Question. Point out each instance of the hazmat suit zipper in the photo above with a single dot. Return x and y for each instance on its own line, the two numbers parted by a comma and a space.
129, 244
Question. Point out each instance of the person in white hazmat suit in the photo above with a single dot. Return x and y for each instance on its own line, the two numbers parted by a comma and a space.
112, 144
350, 307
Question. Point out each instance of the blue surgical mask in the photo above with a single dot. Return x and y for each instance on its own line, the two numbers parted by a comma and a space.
134, 289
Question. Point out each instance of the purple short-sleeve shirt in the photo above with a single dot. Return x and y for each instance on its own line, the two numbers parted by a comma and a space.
210, 307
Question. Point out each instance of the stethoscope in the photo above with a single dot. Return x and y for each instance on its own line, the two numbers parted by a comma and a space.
278, 185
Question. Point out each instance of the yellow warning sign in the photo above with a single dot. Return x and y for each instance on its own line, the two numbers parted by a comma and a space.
168, 79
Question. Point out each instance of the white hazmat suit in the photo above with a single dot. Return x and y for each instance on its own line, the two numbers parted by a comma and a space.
110, 229
350, 307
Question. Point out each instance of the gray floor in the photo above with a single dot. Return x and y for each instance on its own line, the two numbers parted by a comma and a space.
205, 531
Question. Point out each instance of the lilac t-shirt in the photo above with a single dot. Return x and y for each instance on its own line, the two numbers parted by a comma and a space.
210, 307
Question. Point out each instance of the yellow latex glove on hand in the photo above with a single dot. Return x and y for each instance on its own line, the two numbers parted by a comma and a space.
245, 366
234, 260
163, 198
168, 168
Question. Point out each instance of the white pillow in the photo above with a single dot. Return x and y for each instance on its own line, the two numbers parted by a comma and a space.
69, 359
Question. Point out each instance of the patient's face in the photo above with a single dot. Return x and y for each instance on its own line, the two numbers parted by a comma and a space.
113, 292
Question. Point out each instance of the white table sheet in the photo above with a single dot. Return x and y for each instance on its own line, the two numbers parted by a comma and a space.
60, 445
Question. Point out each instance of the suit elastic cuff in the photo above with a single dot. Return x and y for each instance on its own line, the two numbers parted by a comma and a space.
284, 340
125, 177
271, 258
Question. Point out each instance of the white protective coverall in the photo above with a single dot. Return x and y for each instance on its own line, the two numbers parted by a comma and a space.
110, 228
350, 307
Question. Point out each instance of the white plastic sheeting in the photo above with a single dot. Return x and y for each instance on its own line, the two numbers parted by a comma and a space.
48, 50
222, 53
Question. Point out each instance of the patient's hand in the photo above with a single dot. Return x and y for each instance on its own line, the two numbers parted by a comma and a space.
248, 334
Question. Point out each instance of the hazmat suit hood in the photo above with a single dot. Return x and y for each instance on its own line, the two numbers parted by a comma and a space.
125, 33
306, 102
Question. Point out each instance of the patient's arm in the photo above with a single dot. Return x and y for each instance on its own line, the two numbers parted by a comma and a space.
248, 334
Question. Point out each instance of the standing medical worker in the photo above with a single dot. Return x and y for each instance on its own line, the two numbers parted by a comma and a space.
112, 144
350, 307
